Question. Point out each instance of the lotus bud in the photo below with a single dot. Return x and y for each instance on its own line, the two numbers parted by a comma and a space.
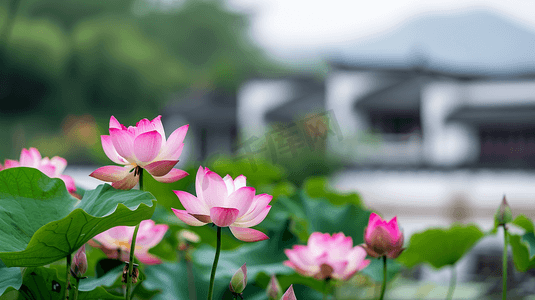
289, 295
274, 290
383, 238
79, 263
239, 280
503, 214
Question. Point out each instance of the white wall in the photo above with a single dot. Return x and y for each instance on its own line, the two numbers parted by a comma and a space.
255, 99
343, 89
494, 93
446, 144
454, 143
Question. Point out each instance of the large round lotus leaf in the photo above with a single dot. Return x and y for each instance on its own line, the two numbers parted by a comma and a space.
9, 277
44, 284
42, 222
440, 246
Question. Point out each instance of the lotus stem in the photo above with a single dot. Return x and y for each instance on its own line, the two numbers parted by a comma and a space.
75, 297
133, 247
191, 280
504, 272
131, 264
214, 266
453, 282
383, 287
68, 276
325, 283
8, 26
140, 179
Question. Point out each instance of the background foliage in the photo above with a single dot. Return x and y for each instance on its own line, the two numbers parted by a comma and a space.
82, 59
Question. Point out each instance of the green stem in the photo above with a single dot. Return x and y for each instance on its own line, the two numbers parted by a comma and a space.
75, 297
376, 289
131, 265
191, 280
214, 266
504, 272
325, 289
8, 26
141, 180
132, 248
4, 40
453, 282
68, 276
383, 287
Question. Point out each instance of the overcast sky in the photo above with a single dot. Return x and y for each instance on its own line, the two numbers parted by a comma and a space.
290, 28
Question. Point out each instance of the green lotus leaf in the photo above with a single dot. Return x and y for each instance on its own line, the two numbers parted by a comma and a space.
9, 277
523, 248
42, 222
440, 246
524, 222
318, 187
43, 284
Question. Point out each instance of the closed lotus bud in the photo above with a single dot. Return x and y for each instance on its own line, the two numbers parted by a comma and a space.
239, 280
289, 295
383, 238
79, 263
503, 214
274, 290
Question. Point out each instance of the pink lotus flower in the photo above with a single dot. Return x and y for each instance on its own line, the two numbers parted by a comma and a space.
116, 241
141, 146
383, 238
327, 257
289, 295
225, 202
52, 168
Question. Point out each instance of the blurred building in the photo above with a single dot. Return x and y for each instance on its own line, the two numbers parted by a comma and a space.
211, 115
412, 117
429, 146
427, 118
263, 102
438, 113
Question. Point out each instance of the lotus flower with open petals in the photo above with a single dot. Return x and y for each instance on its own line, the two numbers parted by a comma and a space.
226, 202
116, 241
50, 167
327, 257
141, 146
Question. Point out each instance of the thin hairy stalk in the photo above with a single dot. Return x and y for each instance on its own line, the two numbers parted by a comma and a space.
127, 295
214, 266
75, 296
453, 282
191, 280
68, 276
131, 265
383, 287
325, 289
141, 179
504, 272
